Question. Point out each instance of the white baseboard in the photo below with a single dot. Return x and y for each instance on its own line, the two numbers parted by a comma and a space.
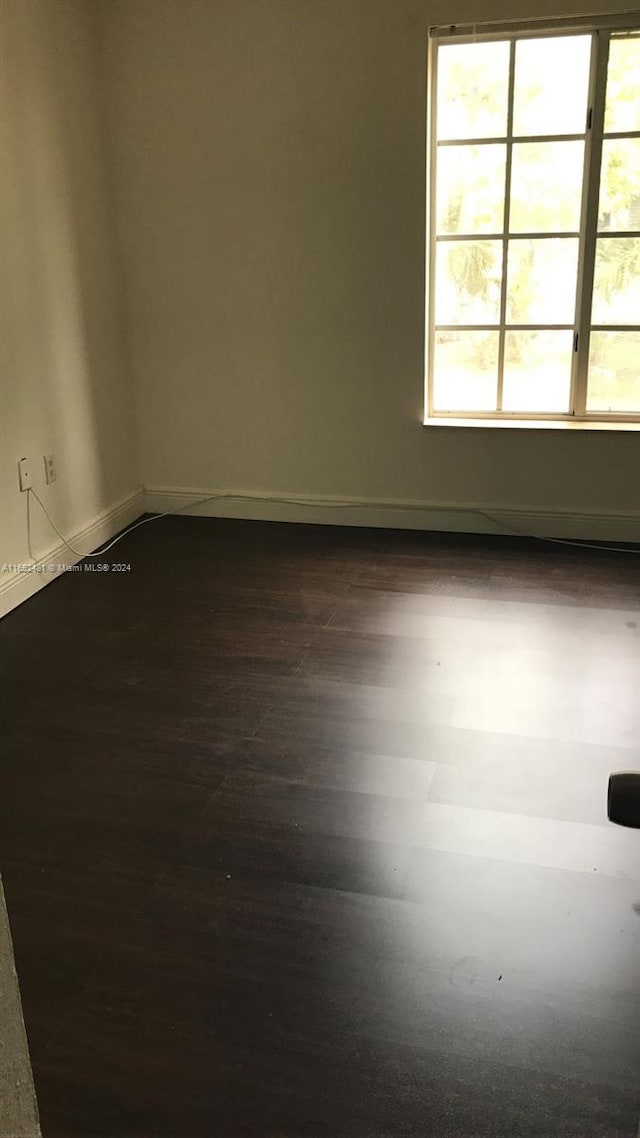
16, 585
395, 514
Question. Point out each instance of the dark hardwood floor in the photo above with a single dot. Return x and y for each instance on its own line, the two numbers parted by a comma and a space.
303, 835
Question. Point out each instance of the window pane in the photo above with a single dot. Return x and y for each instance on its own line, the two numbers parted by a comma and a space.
468, 277
537, 371
546, 187
465, 371
541, 280
551, 84
614, 374
616, 283
473, 82
622, 108
620, 184
470, 189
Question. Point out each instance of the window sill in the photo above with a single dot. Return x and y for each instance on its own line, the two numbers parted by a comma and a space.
536, 424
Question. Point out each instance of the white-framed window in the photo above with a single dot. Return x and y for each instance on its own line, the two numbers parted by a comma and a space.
533, 222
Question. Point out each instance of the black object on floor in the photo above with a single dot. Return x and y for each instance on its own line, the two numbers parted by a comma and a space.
623, 798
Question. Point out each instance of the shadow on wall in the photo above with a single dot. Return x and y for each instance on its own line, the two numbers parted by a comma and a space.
60, 327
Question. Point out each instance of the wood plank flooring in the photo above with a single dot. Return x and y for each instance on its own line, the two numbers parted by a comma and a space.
303, 835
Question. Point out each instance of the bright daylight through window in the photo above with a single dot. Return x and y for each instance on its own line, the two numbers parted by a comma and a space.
534, 224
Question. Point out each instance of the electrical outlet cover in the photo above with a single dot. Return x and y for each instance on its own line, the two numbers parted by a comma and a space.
24, 474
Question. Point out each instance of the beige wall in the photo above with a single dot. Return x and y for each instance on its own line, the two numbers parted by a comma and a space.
270, 181
65, 382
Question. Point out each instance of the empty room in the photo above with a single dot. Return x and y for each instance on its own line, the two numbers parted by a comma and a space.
319, 569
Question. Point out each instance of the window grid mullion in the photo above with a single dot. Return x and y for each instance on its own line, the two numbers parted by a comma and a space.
505, 223
431, 220
605, 234
533, 236
621, 134
589, 221
451, 143
512, 327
